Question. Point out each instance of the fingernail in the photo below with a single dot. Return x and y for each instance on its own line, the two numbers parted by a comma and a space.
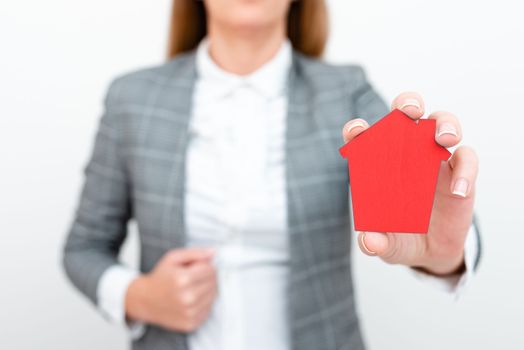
363, 242
446, 128
411, 102
461, 187
355, 125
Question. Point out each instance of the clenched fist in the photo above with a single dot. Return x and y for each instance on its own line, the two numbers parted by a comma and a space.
177, 294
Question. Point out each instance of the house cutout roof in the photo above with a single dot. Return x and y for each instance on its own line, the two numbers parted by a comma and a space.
393, 170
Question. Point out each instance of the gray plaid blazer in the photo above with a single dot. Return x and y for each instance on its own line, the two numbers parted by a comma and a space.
137, 172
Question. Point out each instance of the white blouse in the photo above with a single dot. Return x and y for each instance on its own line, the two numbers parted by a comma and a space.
236, 202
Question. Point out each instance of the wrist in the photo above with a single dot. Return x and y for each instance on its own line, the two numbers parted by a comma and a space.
136, 299
442, 267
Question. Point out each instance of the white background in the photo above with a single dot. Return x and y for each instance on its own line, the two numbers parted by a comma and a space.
57, 58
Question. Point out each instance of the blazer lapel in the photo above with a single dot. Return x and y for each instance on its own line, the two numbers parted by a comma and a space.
177, 96
299, 126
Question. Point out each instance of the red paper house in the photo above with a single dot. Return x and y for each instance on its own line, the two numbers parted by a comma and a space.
393, 170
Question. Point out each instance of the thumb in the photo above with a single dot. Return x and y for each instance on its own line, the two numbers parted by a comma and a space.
185, 256
407, 249
373, 243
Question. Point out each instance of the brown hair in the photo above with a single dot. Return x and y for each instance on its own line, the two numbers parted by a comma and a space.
307, 26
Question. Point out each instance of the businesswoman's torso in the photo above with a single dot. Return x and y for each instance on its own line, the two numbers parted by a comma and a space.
250, 166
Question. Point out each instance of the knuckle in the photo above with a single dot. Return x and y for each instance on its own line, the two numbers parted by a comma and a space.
181, 280
188, 298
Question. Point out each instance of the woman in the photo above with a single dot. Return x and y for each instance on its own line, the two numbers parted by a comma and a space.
227, 158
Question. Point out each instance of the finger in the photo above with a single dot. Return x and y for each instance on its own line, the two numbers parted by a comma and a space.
202, 311
200, 272
198, 312
353, 128
411, 103
206, 297
193, 296
188, 255
372, 245
465, 164
448, 132
408, 249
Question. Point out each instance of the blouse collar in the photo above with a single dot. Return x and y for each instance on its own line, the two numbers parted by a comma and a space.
269, 80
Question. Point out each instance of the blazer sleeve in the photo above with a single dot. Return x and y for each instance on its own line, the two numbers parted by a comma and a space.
100, 223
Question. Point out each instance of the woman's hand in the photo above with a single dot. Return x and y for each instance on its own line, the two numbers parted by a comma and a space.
178, 294
441, 251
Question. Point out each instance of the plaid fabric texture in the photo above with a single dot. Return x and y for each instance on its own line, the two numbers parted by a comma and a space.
137, 170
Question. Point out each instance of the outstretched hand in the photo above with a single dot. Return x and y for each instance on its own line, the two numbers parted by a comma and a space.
441, 251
